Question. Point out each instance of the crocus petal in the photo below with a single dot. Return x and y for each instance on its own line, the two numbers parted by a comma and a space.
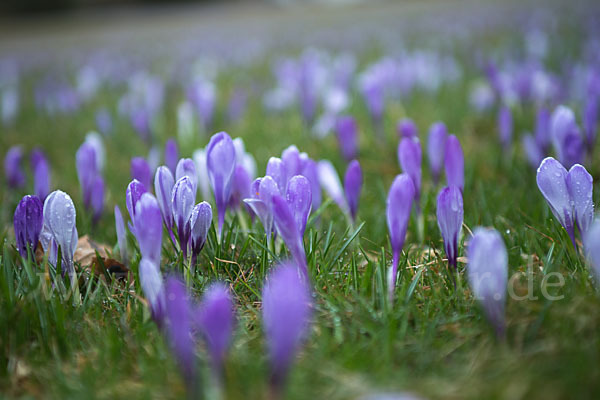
436, 143
140, 170
121, 235
352, 186
287, 229
454, 162
532, 151
542, 128
330, 182
153, 287
240, 188
406, 128
135, 189
310, 171
59, 217
171, 155
347, 135
286, 313
85, 160
409, 156
41, 175
291, 161
552, 181
178, 314
148, 227
182, 201
487, 271
299, 199
200, 224
13, 168
276, 170
450, 218
95, 141
580, 186
187, 167
220, 160
28, 222
163, 187
505, 126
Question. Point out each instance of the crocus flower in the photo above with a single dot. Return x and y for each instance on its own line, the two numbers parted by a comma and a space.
178, 314
347, 135
288, 230
148, 227
487, 271
399, 204
450, 218
171, 155
182, 201
28, 222
292, 162
352, 186
41, 174
454, 163
215, 319
121, 235
276, 170
163, 187
220, 160
240, 187
566, 138
153, 287
262, 192
286, 317
134, 191
202, 171
87, 170
97, 198
406, 128
533, 151
569, 195
140, 170
310, 171
13, 169
95, 141
591, 242
330, 182
59, 218
187, 167
200, 224
436, 143
409, 156
299, 199
505, 126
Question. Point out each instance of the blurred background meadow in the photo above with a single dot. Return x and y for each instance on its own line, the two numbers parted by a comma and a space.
281, 73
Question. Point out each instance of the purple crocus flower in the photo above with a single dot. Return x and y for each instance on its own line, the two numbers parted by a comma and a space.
187, 167
566, 138
347, 135
310, 171
220, 160
409, 156
148, 227
487, 271
215, 319
59, 218
569, 195
352, 186
454, 163
299, 199
505, 126
134, 191
140, 170
97, 198
13, 169
240, 187
276, 170
153, 287
262, 192
200, 224
28, 222
292, 163
87, 170
41, 174
286, 316
542, 129
171, 155
407, 128
288, 230
436, 143
533, 151
330, 182
450, 218
179, 328
182, 201
163, 187
121, 235
399, 204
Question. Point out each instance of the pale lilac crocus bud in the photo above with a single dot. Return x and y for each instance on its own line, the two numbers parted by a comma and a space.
286, 317
487, 271
13, 170
187, 167
240, 188
200, 222
409, 157
134, 191
140, 170
121, 236
163, 187
41, 177
59, 217
566, 137
262, 192
310, 171
450, 214
171, 155
292, 162
182, 201
28, 222
220, 160
353, 181
276, 170
299, 198
436, 144
399, 204
454, 163
153, 287
347, 135
87, 170
330, 182
505, 126
288, 230
148, 227
532, 150
407, 128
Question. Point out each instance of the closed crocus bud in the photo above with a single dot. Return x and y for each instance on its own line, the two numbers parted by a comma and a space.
287, 229
200, 224
276, 170
140, 170
182, 201
59, 217
28, 221
580, 186
134, 191
409, 157
95, 141
97, 198
299, 198
399, 204
178, 315
286, 310
163, 187
291, 161
121, 236
87, 170
352, 186
171, 155
573, 148
41, 177
436, 144
330, 182
187, 167
310, 171
533, 151
215, 319
220, 160
505, 126
13, 170
347, 134
263, 190
591, 243
406, 128
566, 138
450, 218
240, 188
487, 271
153, 287
148, 227
454, 162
